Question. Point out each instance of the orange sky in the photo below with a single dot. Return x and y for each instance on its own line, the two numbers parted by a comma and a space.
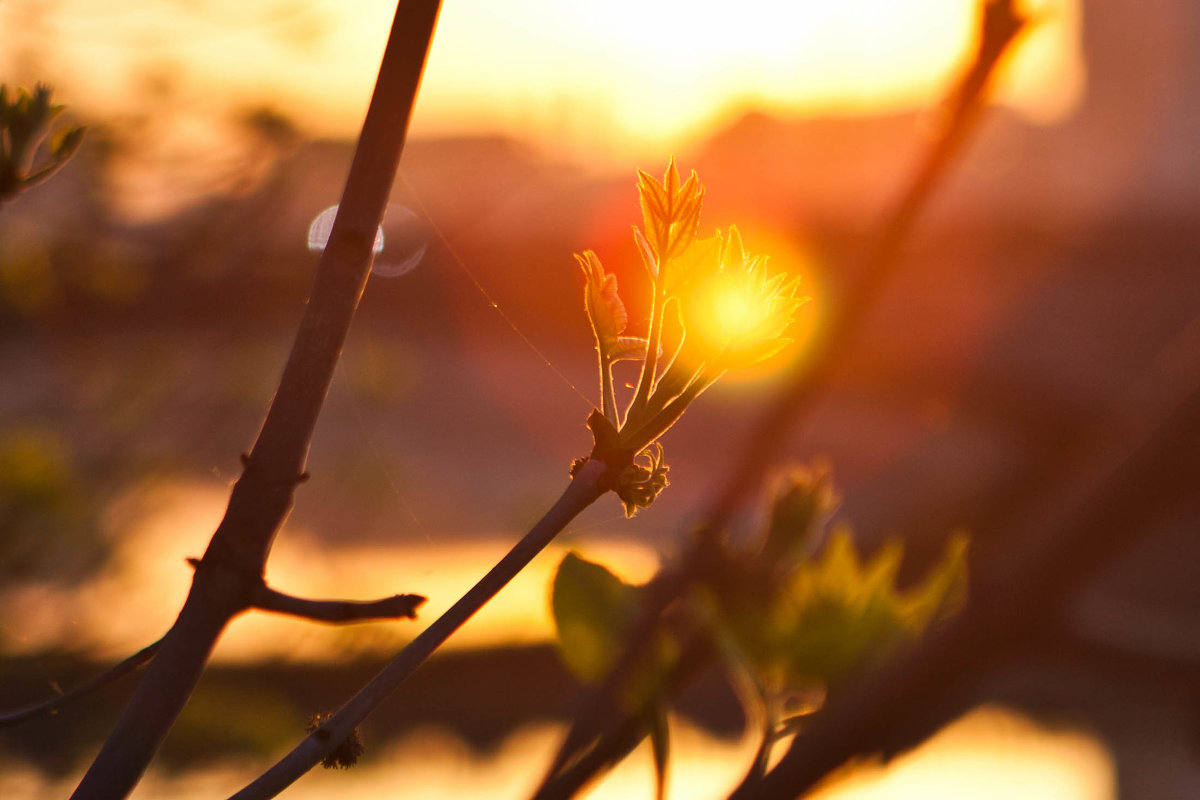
619, 79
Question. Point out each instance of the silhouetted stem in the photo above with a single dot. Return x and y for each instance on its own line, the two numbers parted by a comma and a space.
614, 747
674, 381
398, 606
87, 687
965, 103
608, 396
650, 365
585, 487
234, 562
662, 421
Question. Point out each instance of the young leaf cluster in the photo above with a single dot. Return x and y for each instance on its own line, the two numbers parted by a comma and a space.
714, 307
25, 122
788, 618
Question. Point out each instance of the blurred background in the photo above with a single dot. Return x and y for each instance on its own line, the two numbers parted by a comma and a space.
149, 293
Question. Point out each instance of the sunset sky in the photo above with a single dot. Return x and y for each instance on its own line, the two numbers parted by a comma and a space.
614, 79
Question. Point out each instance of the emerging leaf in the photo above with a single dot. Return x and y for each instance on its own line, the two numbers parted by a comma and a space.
592, 609
803, 499
642, 481
736, 313
604, 307
649, 260
631, 348
838, 613
670, 212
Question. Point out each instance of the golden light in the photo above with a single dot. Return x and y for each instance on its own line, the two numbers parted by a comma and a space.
740, 317
133, 599
622, 79
733, 312
988, 754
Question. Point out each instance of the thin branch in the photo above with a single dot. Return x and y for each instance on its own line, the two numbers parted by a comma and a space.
1000, 28
609, 750
398, 606
584, 489
52, 705
235, 560
621, 731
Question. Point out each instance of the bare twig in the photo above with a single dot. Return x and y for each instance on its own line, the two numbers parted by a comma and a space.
233, 564
585, 487
52, 705
398, 606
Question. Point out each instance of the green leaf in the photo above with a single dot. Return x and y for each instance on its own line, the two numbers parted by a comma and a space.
803, 499
839, 614
944, 589
592, 609
594, 614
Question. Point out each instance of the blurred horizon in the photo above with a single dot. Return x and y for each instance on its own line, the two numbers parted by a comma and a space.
647, 80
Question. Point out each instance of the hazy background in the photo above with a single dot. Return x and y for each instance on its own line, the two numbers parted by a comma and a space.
148, 295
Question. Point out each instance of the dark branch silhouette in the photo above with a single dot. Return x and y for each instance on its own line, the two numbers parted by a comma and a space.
398, 606
51, 706
227, 577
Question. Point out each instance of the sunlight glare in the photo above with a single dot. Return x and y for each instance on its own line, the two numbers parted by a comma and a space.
624, 78
733, 311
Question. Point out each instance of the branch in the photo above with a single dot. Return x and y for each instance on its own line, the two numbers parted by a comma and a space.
235, 560
398, 606
52, 705
587, 485
965, 104
569, 780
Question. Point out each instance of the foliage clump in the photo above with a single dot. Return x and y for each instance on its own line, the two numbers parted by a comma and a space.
715, 307
25, 122
787, 618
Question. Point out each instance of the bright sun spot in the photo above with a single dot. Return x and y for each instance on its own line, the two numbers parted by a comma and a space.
734, 311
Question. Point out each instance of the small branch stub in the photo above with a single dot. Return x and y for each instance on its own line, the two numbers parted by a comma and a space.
398, 606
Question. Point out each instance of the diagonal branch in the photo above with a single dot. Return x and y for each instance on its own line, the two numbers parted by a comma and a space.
233, 564
398, 606
587, 485
52, 705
